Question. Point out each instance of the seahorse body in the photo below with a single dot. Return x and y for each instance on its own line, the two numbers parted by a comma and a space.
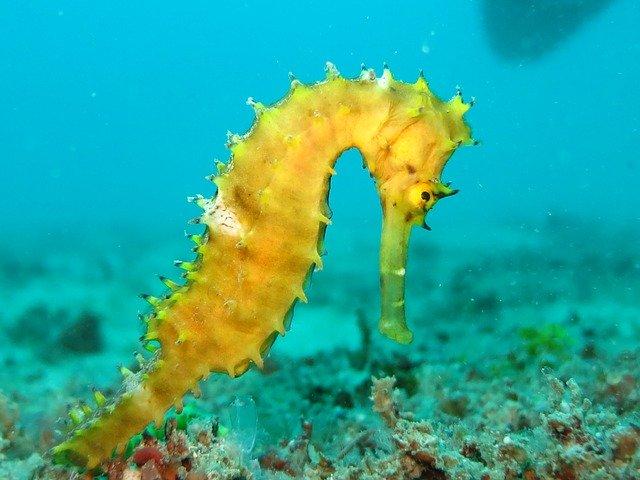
264, 233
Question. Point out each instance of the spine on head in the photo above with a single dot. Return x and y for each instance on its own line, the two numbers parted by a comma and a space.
263, 234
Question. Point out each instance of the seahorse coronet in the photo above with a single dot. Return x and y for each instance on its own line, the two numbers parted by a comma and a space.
263, 237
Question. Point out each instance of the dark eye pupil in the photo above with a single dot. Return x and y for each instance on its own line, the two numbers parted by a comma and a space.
425, 196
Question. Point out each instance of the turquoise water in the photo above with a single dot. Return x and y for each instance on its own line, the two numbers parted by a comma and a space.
115, 109
112, 113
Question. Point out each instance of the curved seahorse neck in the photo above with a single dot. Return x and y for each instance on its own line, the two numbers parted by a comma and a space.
264, 229
405, 135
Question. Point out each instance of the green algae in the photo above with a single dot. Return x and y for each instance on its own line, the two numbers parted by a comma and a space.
548, 339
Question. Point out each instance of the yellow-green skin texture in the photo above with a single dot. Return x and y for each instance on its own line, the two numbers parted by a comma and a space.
264, 233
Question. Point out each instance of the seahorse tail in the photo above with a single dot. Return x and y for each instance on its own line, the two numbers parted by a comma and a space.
146, 395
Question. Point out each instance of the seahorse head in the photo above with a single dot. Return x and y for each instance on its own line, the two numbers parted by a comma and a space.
412, 198
420, 136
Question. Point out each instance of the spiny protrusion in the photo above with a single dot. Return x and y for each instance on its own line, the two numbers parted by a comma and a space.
367, 74
86, 409
233, 139
324, 219
150, 335
195, 221
300, 295
279, 326
231, 370
386, 79
139, 359
187, 266
443, 190
99, 398
125, 372
457, 104
196, 238
257, 359
198, 199
331, 70
421, 83
295, 83
76, 415
221, 167
326, 210
170, 284
150, 299
317, 260
258, 108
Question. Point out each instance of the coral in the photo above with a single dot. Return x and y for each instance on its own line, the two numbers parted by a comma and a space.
14, 469
21, 469
294, 456
536, 426
570, 441
573, 445
8, 417
502, 432
264, 232
203, 456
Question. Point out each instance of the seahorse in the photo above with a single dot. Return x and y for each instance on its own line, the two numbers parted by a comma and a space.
263, 236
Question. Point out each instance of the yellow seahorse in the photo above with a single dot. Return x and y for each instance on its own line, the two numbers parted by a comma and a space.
264, 233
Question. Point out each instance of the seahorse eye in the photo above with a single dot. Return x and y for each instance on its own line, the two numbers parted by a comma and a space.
419, 197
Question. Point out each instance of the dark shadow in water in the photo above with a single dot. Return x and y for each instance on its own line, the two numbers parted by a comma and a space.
521, 30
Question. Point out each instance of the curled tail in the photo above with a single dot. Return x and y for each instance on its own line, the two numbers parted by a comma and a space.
154, 389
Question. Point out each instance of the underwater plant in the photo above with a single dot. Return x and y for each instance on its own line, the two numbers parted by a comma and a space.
263, 236
549, 338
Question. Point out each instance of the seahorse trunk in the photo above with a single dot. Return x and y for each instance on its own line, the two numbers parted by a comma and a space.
264, 233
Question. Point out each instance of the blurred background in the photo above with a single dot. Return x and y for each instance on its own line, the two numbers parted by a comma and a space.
111, 113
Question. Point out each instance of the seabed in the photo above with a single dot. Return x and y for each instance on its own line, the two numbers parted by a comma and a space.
525, 363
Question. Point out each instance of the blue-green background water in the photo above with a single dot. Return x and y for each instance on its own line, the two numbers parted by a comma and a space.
112, 112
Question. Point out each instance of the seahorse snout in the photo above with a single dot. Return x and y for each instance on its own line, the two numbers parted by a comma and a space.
405, 204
